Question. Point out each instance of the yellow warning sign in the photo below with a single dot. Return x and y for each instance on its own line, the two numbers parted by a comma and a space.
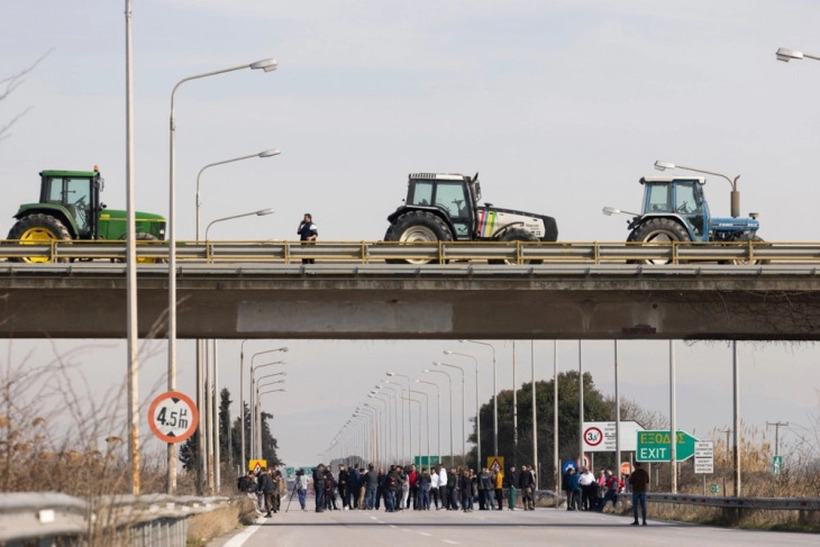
495, 463
257, 465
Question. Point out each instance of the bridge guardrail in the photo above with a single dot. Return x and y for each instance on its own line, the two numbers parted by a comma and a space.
153, 519
440, 252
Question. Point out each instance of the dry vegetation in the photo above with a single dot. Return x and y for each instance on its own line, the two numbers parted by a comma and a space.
60, 434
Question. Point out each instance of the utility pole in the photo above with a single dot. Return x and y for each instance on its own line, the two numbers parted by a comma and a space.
727, 432
777, 426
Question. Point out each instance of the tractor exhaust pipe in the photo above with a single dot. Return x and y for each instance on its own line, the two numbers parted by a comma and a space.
735, 196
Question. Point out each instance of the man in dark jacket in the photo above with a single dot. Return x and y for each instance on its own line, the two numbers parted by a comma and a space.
266, 487
525, 482
319, 486
639, 480
343, 485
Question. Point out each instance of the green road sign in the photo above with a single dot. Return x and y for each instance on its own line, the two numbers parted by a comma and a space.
714, 488
654, 446
777, 465
421, 461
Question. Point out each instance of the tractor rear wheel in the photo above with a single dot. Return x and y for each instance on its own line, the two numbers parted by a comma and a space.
658, 230
745, 261
417, 227
142, 236
38, 229
516, 234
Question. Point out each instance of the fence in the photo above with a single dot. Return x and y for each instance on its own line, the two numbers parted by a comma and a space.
49, 518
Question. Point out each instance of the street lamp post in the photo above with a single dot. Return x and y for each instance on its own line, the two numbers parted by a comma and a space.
259, 213
464, 407
264, 154
427, 419
735, 194
242, 393
438, 420
450, 384
258, 431
407, 388
785, 54
254, 402
259, 397
398, 432
267, 65
495, 395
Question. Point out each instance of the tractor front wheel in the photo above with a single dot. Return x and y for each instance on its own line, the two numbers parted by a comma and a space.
417, 227
516, 234
658, 230
38, 229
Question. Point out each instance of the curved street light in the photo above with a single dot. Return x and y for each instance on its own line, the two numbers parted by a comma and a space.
264, 154
450, 384
735, 194
242, 392
266, 65
785, 54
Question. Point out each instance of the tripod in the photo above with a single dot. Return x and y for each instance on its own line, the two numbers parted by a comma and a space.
295, 486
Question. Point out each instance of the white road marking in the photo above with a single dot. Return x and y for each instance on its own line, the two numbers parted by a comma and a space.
239, 539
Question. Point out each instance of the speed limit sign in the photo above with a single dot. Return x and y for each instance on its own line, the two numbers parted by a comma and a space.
172, 417
593, 436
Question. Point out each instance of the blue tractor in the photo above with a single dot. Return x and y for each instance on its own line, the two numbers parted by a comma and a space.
675, 209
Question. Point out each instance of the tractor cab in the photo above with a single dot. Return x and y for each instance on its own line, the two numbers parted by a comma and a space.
452, 197
75, 194
681, 198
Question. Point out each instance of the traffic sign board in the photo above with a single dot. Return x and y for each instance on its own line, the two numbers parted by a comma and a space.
654, 446
172, 417
714, 488
704, 457
777, 465
569, 464
602, 436
495, 463
257, 465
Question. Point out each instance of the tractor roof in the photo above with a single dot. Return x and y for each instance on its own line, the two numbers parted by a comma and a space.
63, 173
667, 178
438, 176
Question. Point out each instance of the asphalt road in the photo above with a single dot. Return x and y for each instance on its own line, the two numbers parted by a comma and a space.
495, 528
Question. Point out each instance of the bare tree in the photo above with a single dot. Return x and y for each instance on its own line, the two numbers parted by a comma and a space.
8, 85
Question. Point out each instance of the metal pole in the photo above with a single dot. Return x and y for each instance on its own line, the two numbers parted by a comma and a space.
267, 65
617, 415
495, 397
217, 430
534, 417
450, 384
131, 274
736, 417
515, 411
673, 420
556, 464
209, 405
777, 426
243, 463
580, 408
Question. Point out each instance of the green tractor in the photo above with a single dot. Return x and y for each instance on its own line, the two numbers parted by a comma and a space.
70, 209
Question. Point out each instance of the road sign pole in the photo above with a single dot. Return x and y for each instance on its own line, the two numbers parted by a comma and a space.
617, 413
736, 417
673, 421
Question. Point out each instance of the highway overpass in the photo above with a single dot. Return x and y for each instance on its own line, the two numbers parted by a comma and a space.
444, 301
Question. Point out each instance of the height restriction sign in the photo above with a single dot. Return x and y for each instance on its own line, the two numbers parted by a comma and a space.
172, 417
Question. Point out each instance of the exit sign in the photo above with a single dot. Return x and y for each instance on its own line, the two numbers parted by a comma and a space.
654, 446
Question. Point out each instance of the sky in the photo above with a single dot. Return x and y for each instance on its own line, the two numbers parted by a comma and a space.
561, 106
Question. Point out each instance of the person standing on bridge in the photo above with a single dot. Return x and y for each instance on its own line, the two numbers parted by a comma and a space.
639, 480
307, 234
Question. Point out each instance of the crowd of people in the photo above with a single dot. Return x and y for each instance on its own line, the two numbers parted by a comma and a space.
404, 487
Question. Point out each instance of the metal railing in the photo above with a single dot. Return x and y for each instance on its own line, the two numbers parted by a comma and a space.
49, 518
440, 252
